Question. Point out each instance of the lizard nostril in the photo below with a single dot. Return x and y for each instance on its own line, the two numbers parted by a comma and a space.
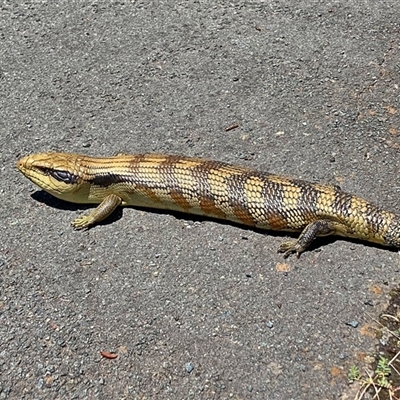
21, 163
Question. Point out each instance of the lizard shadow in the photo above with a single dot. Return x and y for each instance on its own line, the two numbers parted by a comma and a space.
51, 201
316, 245
43, 197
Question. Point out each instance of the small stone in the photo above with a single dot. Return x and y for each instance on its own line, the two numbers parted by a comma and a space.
353, 324
189, 367
270, 324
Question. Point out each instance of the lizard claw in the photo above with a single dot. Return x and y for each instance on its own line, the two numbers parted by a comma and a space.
289, 247
81, 223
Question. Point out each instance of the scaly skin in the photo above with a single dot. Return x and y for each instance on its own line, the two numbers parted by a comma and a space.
210, 188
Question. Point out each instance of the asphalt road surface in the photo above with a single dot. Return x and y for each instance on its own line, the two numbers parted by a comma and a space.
193, 308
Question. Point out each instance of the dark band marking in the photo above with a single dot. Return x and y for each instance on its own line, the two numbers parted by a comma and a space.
107, 179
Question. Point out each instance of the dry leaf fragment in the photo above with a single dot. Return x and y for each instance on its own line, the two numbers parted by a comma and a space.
107, 354
229, 128
283, 267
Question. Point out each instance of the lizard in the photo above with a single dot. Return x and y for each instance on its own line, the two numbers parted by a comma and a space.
213, 189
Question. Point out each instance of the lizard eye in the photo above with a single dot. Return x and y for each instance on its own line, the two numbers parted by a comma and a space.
63, 176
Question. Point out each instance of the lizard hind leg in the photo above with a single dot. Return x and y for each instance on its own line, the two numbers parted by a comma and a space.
322, 227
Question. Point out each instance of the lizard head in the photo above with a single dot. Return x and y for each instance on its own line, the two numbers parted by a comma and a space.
57, 173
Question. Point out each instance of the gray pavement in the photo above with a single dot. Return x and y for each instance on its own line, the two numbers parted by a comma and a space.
194, 309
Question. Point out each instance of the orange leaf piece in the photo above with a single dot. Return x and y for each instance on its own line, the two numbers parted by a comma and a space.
107, 354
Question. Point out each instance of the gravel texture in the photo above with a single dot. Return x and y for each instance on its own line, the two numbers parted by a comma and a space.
193, 309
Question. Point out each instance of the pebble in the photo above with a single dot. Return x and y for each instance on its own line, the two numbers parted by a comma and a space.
189, 367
